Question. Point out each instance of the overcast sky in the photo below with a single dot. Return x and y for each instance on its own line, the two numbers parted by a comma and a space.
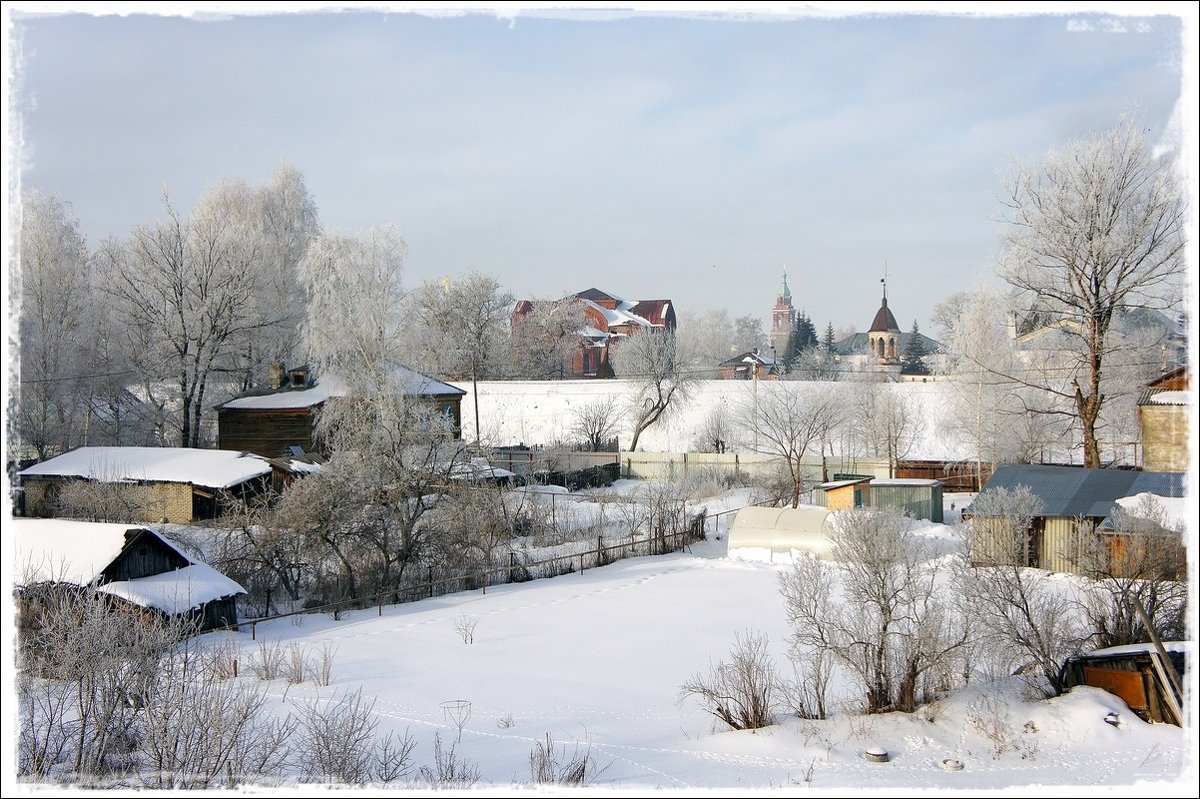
648, 155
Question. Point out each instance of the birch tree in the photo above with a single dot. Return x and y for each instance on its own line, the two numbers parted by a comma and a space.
283, 214
889, 424
1098, 229
998, 418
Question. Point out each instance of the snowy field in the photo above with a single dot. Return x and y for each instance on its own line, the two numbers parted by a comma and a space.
596, 660
541, 412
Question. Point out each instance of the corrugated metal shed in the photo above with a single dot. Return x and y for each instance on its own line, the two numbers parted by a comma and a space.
919, 499
1071, 491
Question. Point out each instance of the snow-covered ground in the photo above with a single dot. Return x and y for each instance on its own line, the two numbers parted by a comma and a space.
541, 412
596, 659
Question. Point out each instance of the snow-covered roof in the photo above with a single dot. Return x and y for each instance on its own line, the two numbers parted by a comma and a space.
209, 468
1168, 398
1137, 649
66, 551
479, 469
832, 484
411, 382
175, 591
60, 550
1176, 510
904, 481
619, 316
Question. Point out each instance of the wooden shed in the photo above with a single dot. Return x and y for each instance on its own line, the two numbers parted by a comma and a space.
135, 565
1163, 411
1138, 674
762, 533
844, 494
1074, 501
149, 484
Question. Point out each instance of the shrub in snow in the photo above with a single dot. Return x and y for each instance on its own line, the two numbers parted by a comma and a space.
555, 765
896, 626
743, 692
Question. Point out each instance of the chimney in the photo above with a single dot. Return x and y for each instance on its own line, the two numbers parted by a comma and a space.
274, 375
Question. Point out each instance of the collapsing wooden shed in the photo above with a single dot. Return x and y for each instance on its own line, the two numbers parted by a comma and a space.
772, 531
1139, 675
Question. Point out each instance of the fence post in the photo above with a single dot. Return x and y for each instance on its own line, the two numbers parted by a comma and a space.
253, 630
431, 581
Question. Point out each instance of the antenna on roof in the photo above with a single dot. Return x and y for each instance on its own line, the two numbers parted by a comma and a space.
883, 280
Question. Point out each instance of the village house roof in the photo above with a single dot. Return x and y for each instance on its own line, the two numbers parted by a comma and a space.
207, 468
74, 552
1069, 491
409, 381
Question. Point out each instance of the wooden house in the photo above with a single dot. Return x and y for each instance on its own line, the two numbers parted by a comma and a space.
1074, 502
146, 484
749, 365
279, 420
1163, 418
130, 565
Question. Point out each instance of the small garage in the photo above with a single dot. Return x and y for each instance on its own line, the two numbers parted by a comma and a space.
760, 533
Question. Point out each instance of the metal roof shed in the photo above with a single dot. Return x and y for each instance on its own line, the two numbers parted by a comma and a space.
919, 499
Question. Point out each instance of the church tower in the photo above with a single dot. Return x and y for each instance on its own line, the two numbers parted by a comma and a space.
783, 320
883, 339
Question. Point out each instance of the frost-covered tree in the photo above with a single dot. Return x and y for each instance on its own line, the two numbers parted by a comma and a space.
284, 215
708, 335
544, 339
894, 625
595, 423
1023, 615
1142, 559
654, 365
748, 334
1097, 230
888, 424
184, 290
792, 421
55, 310
362, 512
462, 323
988, 410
